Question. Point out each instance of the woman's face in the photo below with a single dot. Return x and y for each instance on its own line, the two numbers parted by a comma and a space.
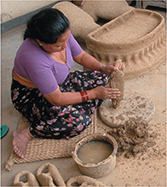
59, 45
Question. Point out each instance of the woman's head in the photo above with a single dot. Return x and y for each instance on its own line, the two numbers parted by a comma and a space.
47, 26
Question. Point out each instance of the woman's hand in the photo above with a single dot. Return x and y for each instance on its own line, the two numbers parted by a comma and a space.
111, 67
102, 92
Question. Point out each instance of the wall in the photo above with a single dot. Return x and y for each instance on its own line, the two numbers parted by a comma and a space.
12, 9
16, 13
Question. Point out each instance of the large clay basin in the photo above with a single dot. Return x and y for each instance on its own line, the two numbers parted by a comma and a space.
137, 37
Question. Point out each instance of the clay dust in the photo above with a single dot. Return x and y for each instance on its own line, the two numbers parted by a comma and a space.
133, 138
130, 123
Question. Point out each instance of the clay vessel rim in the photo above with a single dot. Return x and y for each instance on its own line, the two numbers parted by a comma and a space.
96, 136
141, 39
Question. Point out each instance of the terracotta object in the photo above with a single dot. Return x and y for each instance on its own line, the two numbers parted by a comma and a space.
117, 81
81, 23
99, 169
30, 179
109, 9
137, 37
84, 181
51, 177
134, 107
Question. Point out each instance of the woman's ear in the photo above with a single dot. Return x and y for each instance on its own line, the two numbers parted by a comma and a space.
39, 42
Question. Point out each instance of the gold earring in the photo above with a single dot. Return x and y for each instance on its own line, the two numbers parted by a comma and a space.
40, 44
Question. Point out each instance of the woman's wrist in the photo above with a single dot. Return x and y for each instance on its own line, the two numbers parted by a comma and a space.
88, 95
101, 68
84, 96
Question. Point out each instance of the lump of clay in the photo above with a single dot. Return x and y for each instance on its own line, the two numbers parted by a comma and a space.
109, 9
117, 81
81, 23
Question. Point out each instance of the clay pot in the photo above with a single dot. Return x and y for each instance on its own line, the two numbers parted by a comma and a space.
99, 169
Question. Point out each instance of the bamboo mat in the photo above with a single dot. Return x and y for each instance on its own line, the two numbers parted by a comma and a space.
42, 149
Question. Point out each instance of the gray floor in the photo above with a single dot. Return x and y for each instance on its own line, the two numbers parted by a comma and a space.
10, 42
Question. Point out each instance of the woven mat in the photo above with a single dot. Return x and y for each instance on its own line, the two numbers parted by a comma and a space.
42, 149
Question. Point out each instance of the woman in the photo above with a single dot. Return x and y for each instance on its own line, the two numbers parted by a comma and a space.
57, 102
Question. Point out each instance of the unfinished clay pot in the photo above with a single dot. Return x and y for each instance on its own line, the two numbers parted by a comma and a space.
30, 179
134, 107
98, 169
117, 81
81, 23
109, 9
137, 37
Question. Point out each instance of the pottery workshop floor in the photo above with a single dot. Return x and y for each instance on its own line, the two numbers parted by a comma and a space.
148, 169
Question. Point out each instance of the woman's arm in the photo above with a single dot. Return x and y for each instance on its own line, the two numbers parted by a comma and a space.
59, 98
87, 61
90, 62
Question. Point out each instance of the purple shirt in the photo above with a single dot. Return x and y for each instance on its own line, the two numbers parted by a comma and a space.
33, 63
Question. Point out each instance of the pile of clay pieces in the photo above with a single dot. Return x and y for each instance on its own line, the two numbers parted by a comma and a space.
133, 138
48, 175
129, 123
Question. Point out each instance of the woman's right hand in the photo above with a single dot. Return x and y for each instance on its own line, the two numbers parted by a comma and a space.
102, 92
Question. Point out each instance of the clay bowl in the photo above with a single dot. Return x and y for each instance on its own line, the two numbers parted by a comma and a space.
137, 37
101, 168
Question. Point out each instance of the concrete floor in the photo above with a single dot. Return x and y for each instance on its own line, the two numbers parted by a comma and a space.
10, 42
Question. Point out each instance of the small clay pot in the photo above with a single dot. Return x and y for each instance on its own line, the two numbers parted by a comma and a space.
100, 169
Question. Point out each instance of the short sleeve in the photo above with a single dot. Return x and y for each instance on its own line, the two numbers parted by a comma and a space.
74, 46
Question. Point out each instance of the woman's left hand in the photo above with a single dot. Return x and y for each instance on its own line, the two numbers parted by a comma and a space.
111, 67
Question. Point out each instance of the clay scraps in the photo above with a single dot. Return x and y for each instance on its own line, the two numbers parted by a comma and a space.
133, 138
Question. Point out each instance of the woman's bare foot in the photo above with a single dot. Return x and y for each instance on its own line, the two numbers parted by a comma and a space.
21, 138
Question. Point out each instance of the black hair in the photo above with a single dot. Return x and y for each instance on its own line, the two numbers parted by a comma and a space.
47, 26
